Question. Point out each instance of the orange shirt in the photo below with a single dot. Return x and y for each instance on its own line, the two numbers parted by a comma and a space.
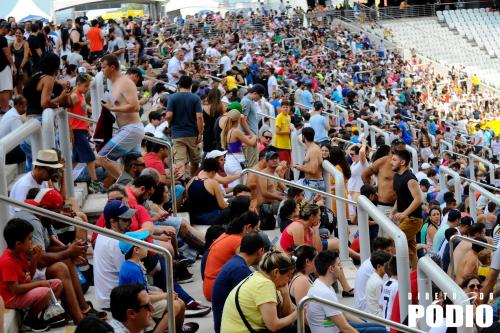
95, 38
223, 249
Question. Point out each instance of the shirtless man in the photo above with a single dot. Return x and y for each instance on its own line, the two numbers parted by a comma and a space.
312, 167
382, 168
470, 262
268, 191
126, 107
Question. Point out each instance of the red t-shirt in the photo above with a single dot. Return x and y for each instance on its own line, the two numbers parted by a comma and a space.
396, 315
152, 160
80, 108
12, 269
95, 38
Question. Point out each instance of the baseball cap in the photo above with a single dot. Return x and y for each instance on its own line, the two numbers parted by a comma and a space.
258, 88
216, 153
425, 166
140, 235
271, 155
235, 106
117, 209
47, 198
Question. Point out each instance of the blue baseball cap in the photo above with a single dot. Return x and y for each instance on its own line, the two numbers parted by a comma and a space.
117, 209
140, 235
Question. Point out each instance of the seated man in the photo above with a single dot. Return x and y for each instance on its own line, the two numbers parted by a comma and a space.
57, 261
133, 164
328, 267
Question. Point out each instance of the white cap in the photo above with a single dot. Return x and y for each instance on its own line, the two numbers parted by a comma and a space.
425, 166
216, 153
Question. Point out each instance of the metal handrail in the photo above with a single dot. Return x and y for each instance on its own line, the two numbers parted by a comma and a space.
374, 130
158, 141
473, 201
373, 318
349, 142
342, 227
429, 272
443, 171
467, 239
414, 157
365, 209
292, 184
111, 234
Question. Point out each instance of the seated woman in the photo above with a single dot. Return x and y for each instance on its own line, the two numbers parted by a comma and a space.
225, 247
305, 230
206, 199
304, 266
258, 298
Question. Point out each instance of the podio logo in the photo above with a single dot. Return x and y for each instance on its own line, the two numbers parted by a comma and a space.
455, 315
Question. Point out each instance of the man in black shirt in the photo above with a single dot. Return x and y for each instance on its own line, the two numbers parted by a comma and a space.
37, 45
407, 211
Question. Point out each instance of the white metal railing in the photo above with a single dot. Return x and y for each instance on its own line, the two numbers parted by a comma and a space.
373, 131
473, 201
445, 145
158, 141
363, 124
31, 128
111, 234
365, 209
443, 186
368, 316
342, 223
429, 272
330, 170
466, 239
414, 157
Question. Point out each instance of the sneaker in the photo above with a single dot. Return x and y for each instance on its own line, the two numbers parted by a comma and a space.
195, 309
181, 273
34, 325
96, 187
57, 321
190, 327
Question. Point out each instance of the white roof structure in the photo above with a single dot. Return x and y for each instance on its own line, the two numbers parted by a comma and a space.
25, 8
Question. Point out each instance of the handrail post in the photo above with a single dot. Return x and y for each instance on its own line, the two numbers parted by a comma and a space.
366, 207
173, 194
375, 129
414, 157
329, 169
429, 271
442, 182
66, 151
364, 124
32, 128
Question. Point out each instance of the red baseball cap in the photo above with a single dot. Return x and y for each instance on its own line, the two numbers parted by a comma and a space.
47, 198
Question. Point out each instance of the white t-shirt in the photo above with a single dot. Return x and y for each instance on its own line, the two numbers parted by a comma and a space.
355, 183
226, 62
107, 262
495, 147
174, 66
21, 188
364, 272
75, 59
270, 83
10, 121
372, 294
386, 300
149, 129
318, 315
421, 175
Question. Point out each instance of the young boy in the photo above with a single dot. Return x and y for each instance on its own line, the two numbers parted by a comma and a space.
82, 152
375, 282
389, 288
133, 271
282, 139
16, 287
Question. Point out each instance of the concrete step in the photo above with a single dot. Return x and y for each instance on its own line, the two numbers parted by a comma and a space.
94, 205
11, 321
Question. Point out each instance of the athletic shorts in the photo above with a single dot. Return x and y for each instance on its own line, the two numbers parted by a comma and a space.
6, 80
82, 152
126, 139
171, 221
187, 150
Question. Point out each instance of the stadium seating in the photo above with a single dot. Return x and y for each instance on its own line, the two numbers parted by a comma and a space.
476, 45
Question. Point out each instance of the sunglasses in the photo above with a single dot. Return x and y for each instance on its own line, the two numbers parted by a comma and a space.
268, 137
474, 286
148, 306
140, 164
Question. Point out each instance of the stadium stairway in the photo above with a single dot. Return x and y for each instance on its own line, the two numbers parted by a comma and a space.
93, 205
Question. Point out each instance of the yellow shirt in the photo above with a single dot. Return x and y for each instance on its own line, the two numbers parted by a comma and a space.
231, 82
282, 141
475, 80
254, 292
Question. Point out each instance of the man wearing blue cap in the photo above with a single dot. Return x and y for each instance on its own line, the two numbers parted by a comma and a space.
107, 255
133, 271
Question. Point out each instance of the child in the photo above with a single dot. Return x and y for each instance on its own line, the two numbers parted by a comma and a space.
16, 286
133, 271
389, 288
82, 152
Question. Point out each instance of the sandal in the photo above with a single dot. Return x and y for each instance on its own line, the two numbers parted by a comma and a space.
91, 312
349, 293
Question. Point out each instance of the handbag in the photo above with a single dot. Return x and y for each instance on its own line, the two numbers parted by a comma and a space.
54, 309
243, 318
